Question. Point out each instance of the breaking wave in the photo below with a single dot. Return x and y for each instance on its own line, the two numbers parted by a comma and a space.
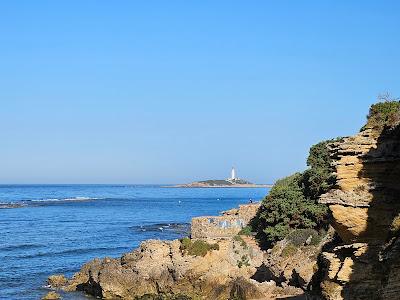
40, 202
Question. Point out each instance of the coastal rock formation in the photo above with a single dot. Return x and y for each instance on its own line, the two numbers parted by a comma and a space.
51, 296
289, 265
365, 208
162, 268
208, 266
233, 181
57, 280
220, 184
236, 269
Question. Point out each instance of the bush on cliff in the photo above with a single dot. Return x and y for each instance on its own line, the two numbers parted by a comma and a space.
247, 230
293, 201
287, 208
319, 178
385, 113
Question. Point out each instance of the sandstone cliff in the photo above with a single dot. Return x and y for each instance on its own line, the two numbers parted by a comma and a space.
365, 208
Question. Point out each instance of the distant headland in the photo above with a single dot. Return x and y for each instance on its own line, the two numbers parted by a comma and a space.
232, 182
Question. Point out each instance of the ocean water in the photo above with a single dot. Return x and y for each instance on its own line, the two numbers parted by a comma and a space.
48, 229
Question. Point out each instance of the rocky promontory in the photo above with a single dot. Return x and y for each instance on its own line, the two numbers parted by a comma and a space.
234, 270
221, 183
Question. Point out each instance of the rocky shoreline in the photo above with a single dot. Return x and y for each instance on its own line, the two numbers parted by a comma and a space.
357, 258
233, 267
161, 270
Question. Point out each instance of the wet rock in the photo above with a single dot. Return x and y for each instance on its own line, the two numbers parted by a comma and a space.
51, 296
57, 281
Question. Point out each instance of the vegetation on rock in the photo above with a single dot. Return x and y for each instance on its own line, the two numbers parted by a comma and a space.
319, 178
243, 262
197, 248
289, 250
239, 239
247, 230
385, 113
292, 202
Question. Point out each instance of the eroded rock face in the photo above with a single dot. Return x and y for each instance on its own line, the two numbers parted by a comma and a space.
368, 184
161, 268
364, 206
289, 265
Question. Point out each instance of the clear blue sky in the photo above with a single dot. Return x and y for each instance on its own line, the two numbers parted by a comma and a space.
175, 91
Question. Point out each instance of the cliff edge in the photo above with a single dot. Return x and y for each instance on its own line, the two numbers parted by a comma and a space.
365, 206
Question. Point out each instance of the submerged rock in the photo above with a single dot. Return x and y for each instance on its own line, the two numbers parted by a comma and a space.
51, 296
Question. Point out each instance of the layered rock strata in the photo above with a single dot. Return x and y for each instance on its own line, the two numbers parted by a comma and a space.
365, 208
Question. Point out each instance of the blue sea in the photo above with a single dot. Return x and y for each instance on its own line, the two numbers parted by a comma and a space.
48, 229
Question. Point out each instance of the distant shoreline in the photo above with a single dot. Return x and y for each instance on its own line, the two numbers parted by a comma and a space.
192, 186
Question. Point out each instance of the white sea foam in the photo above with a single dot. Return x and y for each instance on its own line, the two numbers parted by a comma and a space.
22, 203
11, 205
65, 199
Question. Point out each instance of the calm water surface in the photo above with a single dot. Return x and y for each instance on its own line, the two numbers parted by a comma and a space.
57, 228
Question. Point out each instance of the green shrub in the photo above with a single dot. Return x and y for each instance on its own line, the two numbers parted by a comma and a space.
319, 178
316, 239
237, 238
185, 243
247, 230
386, 113
289, 250
293, 201
197, 248
286, 208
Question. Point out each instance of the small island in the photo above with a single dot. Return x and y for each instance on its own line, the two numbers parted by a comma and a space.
232, 182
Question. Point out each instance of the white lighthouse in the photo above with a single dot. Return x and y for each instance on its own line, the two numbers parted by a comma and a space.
233, 174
